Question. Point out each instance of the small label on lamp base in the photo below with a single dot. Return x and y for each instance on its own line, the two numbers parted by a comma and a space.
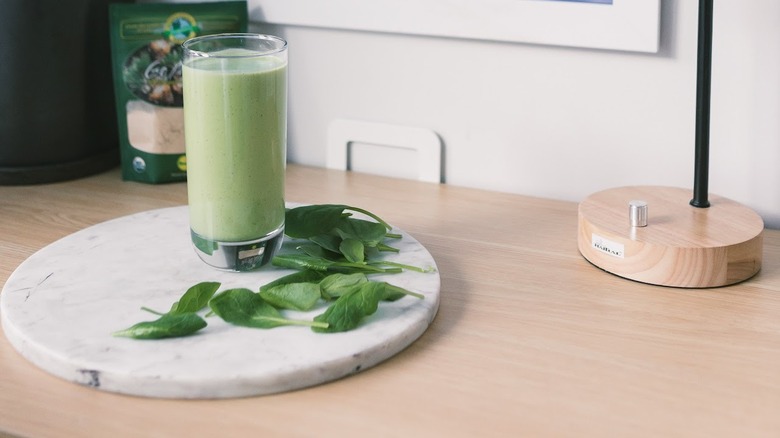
607, 246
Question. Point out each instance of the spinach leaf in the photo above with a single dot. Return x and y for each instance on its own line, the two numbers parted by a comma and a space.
401, 266
197, 297
371, 215
297, 291
330, 242
384, 247
302, 261
348, 310
294, 296
353, 250
304, 276
315, 250
298, 261
393, 293
245, 308
311, 220
360, 299
336, 285
181, 320
167, 326
370, 233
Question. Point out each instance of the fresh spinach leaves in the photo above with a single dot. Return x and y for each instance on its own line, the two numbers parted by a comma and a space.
312, 220
336, 242
181, 320
339, 236
337, 254
248, 309
293, 296
336, 285
167, 326
196, 298
355, 302
305, 261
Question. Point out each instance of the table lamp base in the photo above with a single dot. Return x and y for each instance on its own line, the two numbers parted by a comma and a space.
681, 245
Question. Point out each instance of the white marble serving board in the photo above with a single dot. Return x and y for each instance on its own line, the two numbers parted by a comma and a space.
60, 307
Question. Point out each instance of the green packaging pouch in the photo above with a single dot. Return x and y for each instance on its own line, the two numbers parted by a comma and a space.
146, 57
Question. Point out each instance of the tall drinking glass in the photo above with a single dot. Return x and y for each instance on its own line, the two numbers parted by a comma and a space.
235, 124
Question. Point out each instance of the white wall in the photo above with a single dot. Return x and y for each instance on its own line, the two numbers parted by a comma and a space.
552, 121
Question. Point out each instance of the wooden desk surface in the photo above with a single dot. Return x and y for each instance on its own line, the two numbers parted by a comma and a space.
530, 339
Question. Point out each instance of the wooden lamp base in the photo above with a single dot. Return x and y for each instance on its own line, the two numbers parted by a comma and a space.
681, 246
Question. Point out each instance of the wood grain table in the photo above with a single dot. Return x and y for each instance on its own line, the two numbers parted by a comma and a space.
530, 339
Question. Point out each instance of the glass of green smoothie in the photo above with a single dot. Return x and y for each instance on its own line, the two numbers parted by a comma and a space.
235, 127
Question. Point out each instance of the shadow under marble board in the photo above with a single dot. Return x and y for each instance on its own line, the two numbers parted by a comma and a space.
60, 307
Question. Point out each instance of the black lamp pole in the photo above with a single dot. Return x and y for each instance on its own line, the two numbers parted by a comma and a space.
703, 85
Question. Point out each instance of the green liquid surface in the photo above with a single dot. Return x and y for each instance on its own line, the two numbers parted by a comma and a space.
235, 129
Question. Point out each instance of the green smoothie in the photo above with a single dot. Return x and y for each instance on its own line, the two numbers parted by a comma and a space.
235, 135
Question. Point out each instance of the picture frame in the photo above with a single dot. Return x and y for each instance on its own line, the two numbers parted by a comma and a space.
627, 25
